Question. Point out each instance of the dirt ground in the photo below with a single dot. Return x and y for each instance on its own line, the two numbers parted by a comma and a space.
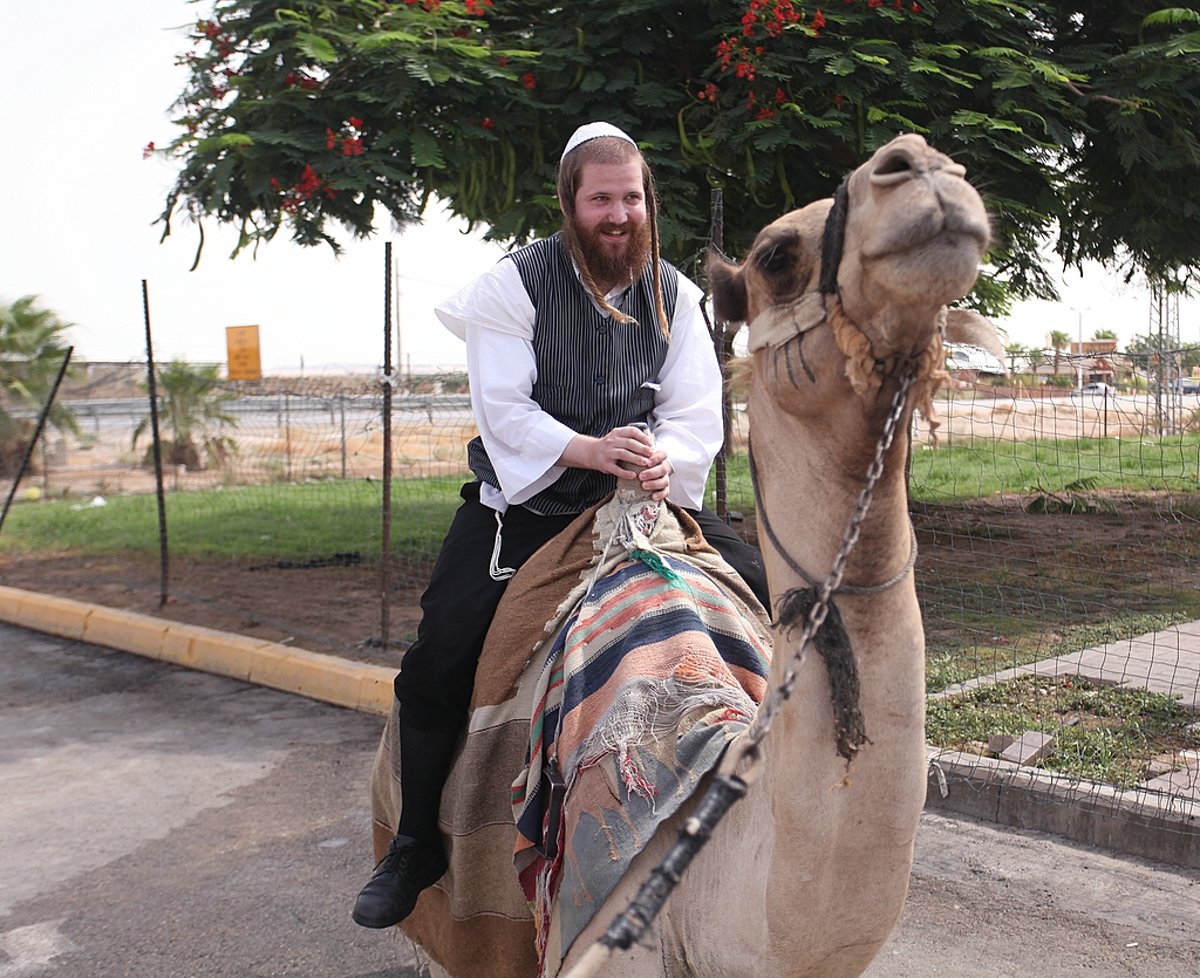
1006, 903
982, 568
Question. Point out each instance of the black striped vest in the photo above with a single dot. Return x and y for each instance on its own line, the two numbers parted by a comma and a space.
590, 369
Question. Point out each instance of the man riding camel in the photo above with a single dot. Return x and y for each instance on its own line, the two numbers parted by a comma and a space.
589, 361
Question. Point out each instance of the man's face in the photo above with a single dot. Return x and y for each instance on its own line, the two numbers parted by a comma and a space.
610, 221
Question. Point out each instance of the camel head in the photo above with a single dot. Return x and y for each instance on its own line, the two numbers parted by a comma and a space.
903, 237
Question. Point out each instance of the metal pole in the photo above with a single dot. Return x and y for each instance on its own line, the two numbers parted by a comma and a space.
716, 237
287, 432
388, 382
342, 411
152, 388
37, 433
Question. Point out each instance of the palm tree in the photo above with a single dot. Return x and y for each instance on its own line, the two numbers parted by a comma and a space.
32, 348
192, 407
1013, 351
1059, 341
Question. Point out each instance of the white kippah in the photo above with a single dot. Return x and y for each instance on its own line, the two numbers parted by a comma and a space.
593, 130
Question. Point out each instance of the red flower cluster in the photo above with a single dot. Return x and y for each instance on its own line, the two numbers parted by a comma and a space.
478, 8
292, 79
774, 14
487, 122
350, 137
709, 92
896, 5
769, 16
427, 4
304, 190
529, 80
148, 150
742, 57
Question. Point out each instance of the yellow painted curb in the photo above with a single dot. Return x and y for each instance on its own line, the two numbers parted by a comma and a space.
356, 685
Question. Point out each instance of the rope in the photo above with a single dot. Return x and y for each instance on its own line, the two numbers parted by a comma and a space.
497, 572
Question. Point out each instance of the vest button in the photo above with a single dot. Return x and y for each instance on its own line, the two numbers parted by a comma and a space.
602, 329
599, 379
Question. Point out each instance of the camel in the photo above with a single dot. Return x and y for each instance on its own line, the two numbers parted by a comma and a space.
806, 876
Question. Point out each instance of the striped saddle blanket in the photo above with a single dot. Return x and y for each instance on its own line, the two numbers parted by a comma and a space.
629, 689
654, 669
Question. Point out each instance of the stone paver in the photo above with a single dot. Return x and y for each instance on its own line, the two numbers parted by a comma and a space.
1029, 748
1166, 661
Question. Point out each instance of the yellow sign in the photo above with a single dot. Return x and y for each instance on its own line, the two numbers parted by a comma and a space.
245, 363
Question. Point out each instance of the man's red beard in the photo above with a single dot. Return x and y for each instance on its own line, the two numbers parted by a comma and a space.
610, 267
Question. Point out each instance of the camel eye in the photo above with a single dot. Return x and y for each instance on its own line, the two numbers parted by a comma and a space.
773, 261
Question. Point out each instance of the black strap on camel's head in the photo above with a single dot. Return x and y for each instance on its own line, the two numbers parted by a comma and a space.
833, 239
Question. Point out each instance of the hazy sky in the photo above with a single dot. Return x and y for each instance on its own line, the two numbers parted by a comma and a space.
86, 85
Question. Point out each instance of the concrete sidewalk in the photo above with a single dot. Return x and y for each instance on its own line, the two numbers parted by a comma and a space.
1160, 820
1166, 661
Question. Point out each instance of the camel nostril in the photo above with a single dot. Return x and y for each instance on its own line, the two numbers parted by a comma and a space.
894, 163
893, 169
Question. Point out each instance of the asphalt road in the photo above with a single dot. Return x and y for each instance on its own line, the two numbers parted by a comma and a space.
162, 823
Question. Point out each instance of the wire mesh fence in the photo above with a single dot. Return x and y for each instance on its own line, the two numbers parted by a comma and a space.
1051, 523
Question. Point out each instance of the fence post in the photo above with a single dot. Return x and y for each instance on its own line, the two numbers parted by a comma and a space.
152, 389
342, 410
287, 432
385, 577
716, 237
37, 434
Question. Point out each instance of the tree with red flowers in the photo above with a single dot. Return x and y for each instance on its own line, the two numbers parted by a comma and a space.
1079, 121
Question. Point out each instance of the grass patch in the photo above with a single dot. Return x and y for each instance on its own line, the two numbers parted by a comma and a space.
251, 522
1031, 641
1102, 733
975, 471
959, 473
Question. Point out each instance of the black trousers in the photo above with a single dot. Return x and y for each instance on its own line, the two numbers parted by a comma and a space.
438, 673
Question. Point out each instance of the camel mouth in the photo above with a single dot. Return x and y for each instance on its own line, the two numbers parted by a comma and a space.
950, 229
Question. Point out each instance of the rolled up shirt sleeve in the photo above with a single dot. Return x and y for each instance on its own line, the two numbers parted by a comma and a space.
495, 317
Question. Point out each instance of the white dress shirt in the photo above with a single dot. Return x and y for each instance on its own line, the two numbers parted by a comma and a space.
495, 317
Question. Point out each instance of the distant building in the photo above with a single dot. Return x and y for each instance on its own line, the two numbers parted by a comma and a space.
1093, 359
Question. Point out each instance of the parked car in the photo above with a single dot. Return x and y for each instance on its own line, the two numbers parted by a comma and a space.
1188, 385
1094, 389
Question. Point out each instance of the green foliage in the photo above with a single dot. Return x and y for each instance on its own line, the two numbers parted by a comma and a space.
192, 408
1077, 496
1076, 120
32, 347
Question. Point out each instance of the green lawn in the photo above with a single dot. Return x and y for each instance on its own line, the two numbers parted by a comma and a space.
276, 521
297, 520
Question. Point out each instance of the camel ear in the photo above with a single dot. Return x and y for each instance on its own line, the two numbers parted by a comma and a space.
969, 327
728, 288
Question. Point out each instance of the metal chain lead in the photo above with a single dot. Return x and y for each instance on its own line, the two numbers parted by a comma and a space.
820, 609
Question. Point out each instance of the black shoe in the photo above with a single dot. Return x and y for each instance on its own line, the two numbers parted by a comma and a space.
390, 895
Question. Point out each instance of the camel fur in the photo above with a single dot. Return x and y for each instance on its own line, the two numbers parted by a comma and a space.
807, 875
